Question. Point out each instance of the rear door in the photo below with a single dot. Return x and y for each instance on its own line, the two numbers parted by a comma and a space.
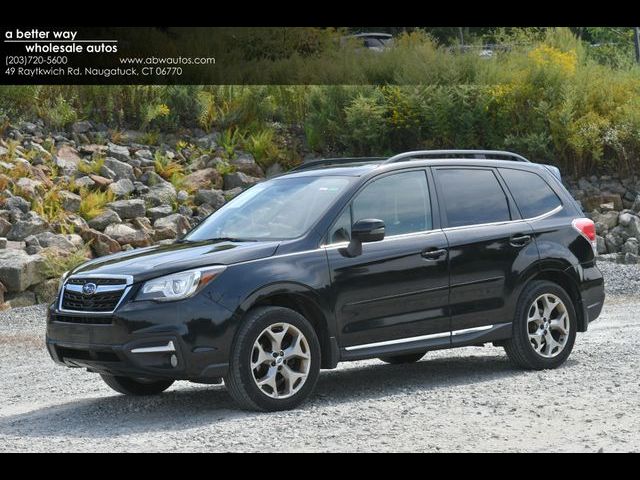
489, 247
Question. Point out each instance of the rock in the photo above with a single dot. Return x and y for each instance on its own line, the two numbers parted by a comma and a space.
631, 258
636, 204
239, 179
128, 208
118, 152
601, 245
182, 196
158, 212
101, 244
49, 239
77, 222
274, 170
142, 223
208, 141
144, 154
234, 192
5, 227
29, 186
245, 163
107, 217
100, 181
630, 246
67, 159
215, 198
70, 201
126, 235
120, 169
122, 187
634, 227
151, 178
21, 299
19, 270
613, 242
624, 219
203, 179
160, 194
3, 244
176, 223
46, 291
31, 224
17, 203
185, 210
603, 202
204, 210
81, 127
84, 182
609, 219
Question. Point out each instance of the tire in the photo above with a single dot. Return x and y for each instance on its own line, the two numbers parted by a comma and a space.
540, 339
400, 359
137, 387
256, 345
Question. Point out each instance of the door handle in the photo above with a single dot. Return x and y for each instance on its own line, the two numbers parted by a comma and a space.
433, 254
519, 240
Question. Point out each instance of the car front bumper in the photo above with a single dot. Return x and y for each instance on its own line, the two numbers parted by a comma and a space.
183, 340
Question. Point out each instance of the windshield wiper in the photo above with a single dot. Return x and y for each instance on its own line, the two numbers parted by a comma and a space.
230, 239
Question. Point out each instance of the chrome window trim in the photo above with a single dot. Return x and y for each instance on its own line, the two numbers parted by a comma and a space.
462, 227
102, 288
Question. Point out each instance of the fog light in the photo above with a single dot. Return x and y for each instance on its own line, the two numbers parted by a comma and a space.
174, 361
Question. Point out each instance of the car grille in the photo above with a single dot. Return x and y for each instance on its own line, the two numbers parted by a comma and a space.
104, 299
98, 302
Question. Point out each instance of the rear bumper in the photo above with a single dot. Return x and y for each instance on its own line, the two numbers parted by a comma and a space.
186, 340
592, 293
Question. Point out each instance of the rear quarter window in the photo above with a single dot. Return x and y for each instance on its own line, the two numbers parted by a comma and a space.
531, 192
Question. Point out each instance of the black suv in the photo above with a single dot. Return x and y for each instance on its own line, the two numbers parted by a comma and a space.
338, 260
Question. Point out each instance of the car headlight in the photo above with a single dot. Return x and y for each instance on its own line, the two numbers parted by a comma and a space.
178, 285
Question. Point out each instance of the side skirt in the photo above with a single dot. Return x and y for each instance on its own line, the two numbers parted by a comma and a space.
438, 341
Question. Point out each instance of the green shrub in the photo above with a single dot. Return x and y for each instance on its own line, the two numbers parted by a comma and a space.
56, 263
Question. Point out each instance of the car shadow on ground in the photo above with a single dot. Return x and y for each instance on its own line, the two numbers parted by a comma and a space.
186, 408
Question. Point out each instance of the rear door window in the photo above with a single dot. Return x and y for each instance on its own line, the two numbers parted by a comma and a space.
472, 196
532, 194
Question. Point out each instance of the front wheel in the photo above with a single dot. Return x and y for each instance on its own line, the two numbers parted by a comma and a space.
544, 329
136, 386
275, 360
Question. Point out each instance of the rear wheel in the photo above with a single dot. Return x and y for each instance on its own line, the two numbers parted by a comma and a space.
136, 386
275, 360
400, 359
544, 329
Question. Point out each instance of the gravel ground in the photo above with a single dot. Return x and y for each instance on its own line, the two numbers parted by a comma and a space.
455, 400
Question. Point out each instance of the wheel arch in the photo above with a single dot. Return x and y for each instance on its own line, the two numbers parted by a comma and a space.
304, 301
569, 285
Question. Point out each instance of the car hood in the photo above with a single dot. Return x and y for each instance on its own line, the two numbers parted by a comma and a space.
145, 263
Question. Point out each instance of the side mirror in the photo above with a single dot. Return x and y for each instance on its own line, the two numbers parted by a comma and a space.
364, 231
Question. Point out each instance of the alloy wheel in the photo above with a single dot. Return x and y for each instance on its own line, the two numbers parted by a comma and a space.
280, 360
548, 325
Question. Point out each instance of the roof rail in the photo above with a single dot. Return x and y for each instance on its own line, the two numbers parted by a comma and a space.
336, 161
487, 154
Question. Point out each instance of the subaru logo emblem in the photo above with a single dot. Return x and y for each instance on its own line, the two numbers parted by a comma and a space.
89, 288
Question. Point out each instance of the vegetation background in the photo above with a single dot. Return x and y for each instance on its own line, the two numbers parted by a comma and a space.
569, 97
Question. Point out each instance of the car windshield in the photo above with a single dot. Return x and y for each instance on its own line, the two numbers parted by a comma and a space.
279, 209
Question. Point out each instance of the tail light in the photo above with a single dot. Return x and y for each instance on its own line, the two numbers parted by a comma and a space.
587, 229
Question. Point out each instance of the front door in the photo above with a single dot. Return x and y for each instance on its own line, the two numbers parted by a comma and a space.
398, 288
